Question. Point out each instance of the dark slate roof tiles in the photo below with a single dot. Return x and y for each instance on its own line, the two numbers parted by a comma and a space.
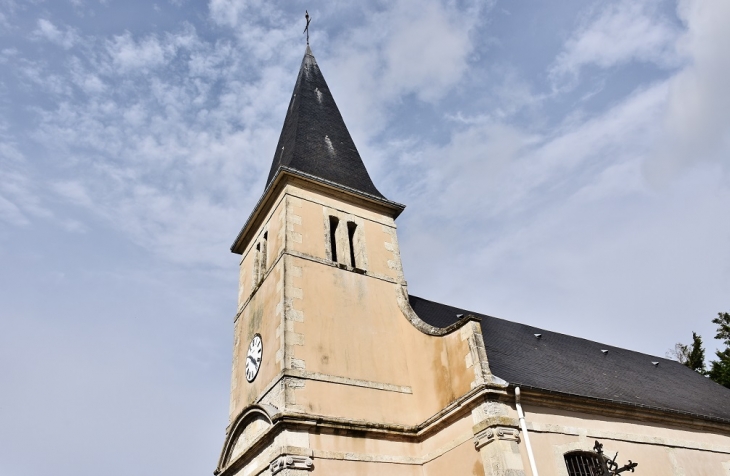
315, 140
570, 365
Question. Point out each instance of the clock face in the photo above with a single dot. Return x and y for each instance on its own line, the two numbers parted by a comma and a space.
253, 358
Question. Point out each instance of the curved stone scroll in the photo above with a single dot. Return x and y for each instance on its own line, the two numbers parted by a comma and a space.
418, 323
291, 462
489, 435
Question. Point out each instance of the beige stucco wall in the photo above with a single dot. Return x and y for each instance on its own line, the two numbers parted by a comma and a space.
660, 448
362, 335
337, 343
257, 312
451, 451
337, 324
340, 348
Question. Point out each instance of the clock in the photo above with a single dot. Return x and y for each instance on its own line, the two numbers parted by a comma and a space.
253, 357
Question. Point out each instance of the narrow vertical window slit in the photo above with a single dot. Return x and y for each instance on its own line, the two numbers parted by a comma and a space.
264, 249
257, 264
333, 237
351, 228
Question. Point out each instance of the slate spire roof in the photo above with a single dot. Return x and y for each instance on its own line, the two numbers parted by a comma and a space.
315, 140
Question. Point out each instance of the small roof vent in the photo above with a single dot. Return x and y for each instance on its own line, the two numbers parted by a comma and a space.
605, 351
459, 316
656, 364
537, 336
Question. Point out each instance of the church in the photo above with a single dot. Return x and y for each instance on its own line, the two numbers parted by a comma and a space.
338, 370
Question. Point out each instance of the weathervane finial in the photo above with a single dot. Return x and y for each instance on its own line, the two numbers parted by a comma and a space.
306, 28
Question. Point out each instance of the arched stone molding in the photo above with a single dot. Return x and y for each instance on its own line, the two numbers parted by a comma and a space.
251, 424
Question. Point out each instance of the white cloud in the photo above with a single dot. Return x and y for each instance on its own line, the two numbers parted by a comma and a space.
4, 22
145, 152
245, 13
7, 54
511, 167
7, 11
47, 30
617, 33
74, 192
37, 73
226, 12
696, 125
129, 54
19, 201
408, 47
426, 47
74, 226
551, 228
10, 213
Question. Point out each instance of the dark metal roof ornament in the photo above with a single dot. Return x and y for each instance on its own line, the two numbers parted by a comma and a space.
608, 465
306, 28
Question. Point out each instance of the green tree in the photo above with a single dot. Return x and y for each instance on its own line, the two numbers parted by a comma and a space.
692, 356
720, 370
696, 356
723, 327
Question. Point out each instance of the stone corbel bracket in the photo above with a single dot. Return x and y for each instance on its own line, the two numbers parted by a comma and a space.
291, 462
484, 437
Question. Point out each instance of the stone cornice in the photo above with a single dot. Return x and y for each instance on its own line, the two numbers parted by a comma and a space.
283, 420
283, 175
616, 409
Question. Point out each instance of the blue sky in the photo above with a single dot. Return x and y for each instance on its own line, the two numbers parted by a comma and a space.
565, 164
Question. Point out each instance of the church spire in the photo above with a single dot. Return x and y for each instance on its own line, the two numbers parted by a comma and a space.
315, 140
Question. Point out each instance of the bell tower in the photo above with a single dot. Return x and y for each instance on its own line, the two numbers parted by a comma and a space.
329, 359
309, 233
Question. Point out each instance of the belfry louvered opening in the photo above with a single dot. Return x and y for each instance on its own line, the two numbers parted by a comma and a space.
345, 245
583, 463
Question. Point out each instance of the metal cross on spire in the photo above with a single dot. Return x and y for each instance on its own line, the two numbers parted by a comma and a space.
306, 28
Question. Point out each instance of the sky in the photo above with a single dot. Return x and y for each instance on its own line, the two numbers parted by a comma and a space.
564, 164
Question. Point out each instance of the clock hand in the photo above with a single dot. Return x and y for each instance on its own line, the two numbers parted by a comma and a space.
253, 361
